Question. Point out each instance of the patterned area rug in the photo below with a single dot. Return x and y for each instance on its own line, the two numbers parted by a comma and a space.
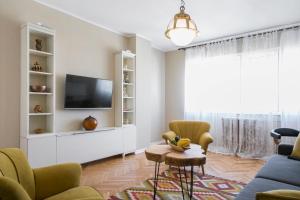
205, 188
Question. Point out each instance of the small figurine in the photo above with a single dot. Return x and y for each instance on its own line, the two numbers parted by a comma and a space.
37, 109
36, 67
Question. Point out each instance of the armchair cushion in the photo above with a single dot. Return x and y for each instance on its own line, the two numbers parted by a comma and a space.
11, 189
78, 193
285, 149
56, 179
278, 195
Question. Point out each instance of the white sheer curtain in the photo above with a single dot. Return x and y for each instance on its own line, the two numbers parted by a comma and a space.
259, 95
289, 87
208, 69
245, 88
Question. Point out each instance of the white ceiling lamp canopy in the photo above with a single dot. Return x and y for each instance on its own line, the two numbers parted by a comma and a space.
182, 29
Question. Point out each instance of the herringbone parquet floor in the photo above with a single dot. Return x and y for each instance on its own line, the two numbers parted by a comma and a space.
115, 174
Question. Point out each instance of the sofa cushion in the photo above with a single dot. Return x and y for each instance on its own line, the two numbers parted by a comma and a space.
262, 185
280, 168
78, 193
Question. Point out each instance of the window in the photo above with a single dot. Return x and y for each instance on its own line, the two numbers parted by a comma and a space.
234, 83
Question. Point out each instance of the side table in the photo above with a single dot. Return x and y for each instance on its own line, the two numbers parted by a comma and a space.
189, 158
157, 153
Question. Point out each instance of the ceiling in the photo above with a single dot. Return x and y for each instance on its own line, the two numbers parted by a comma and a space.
149, 18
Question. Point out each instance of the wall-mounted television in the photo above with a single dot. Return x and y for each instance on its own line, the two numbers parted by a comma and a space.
87, 93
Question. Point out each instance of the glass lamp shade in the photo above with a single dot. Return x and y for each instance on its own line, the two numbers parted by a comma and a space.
181, 30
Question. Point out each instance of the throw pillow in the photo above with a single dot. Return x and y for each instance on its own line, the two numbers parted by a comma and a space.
296, 150
278, 195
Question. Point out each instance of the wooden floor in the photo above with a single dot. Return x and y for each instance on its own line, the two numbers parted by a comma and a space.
116, 174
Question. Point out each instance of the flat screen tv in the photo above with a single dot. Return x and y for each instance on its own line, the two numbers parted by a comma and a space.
87, 93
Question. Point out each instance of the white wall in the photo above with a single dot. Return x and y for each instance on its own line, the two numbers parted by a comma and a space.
82, 49
157, 99
175, 64
150, 76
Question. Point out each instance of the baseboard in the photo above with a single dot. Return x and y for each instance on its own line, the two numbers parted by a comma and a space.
138, 151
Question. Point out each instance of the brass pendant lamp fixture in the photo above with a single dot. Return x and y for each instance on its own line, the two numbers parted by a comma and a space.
182, 29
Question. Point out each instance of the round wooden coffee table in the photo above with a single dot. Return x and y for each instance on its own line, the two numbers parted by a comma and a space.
189, 158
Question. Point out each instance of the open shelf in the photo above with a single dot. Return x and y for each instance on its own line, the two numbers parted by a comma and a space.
40, 53
40, 73
40, 93
128, 97
39, 135
39, 114
128, 111
128, 70
128, 84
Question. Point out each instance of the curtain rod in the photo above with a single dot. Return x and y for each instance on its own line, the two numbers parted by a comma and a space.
243, 35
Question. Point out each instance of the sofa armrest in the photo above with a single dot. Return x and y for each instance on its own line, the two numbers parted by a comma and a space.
10, 189
56, 179
170, 135
285, 149
204, 140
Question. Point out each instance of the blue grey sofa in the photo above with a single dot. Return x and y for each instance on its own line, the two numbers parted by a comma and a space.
280, 172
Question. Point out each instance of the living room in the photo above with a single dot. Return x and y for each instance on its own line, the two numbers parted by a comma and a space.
139, 99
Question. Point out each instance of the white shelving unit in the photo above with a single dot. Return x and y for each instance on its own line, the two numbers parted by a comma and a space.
125, 89
40, 148
125, 102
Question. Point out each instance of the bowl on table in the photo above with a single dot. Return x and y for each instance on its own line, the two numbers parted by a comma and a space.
177, 148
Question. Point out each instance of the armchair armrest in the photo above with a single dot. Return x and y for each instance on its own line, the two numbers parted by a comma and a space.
56, 179
170, 135
277, 133
204, 140
10, 189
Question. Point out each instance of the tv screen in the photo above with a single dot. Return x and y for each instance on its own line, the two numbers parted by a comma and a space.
87, 93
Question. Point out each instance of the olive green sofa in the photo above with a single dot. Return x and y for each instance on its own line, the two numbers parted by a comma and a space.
59, 182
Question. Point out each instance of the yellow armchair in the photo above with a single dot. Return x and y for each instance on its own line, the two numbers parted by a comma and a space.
60, 182
197, 132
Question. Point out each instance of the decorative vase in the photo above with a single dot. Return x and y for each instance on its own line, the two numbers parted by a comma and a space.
89, 123
38, 44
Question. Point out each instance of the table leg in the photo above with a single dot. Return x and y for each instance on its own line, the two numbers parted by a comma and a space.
192, 182
186, 182
202, 167
155, 182
181, 182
